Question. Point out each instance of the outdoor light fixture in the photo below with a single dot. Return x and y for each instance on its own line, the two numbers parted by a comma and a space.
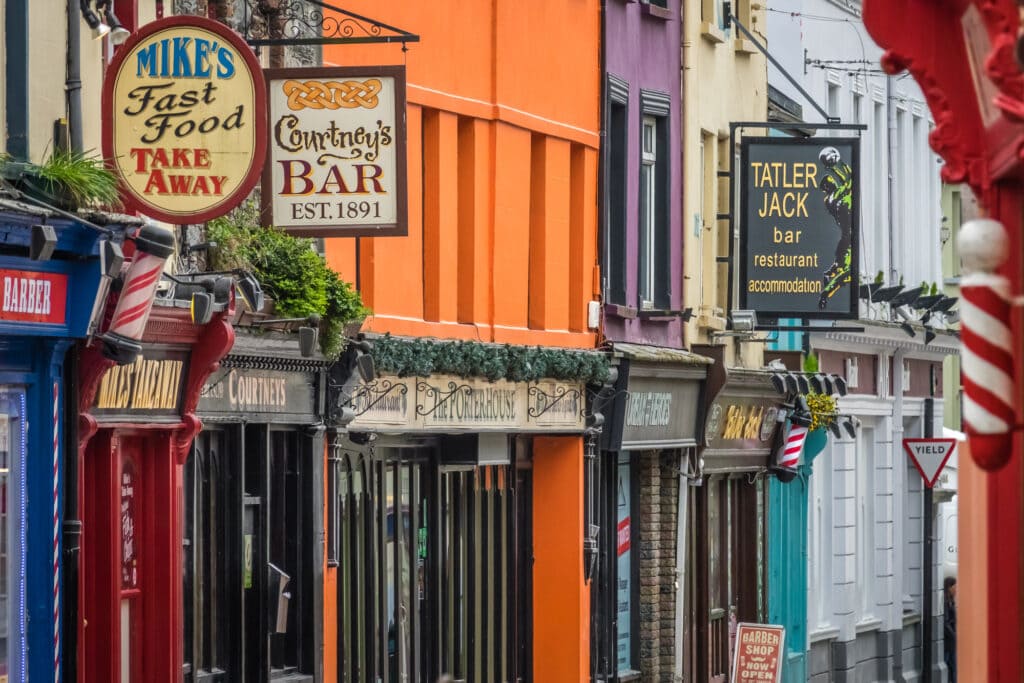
929, 335
906, 327
44, 241
868, 291
118, 33
744, 320
687, 314
850, 427
251, 291
779, 382
834, 428
307, 341
946, 303
792, 384
804, 385
201, 308
99, 29
840, 385
367, 368
111, 258
887, 293
926, 302
905, 298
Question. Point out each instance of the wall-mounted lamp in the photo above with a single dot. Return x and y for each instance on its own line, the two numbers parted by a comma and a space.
99, 29
743, 321
118, 33
44, 241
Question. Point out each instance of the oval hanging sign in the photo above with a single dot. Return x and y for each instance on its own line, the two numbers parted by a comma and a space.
184, 105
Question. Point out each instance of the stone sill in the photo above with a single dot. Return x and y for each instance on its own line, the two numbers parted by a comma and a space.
711, 33
628, 675
711, 322
743, 46
824, 633
911, 618
655, 11
870, 624
620, 311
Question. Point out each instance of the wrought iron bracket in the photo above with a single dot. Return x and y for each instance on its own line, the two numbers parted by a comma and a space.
312, 22
386, 386
553, 399
432, 391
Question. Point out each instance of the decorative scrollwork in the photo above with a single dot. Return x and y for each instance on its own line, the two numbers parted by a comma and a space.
299, 22
380, 390
439, 396
332, 94
541, 401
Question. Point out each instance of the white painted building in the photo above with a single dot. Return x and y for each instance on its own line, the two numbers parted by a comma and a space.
865, 606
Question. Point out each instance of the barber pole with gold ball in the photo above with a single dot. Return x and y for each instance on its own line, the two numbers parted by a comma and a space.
987, 353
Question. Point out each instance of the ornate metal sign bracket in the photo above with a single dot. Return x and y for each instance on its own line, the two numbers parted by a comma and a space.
551, 400
382, 388
311, 22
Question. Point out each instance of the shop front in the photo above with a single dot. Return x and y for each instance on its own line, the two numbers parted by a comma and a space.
455, 545
253, 522
136, 426
727, 557
653, 417
51, 280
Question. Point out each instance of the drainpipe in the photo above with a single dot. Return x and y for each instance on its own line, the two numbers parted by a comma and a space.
890, 112
899, 484
681, 528
16, 73
73, 79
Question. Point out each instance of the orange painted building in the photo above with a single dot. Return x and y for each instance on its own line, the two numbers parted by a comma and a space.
438, 562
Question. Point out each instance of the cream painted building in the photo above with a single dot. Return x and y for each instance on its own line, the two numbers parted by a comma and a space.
725, 79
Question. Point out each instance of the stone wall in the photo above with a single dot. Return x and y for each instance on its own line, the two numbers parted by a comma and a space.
658, 472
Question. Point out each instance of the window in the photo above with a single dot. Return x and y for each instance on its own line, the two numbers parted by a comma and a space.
429, 579
648, 210
865, 464
616, 163
833, 99
819, 554
879, 199
626, 568
654, 287
852, 372
12, 520
716, 12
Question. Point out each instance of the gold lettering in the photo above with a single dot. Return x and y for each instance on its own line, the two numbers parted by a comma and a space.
734, 421
753, 426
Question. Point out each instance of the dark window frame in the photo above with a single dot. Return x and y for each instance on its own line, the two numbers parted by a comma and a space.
615, 186
657, 105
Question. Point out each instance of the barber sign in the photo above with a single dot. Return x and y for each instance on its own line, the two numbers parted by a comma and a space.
30, 296
184, 107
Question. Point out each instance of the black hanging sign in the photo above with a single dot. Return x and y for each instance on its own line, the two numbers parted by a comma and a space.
799, 224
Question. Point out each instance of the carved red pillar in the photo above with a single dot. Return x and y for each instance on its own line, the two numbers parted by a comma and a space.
961, 52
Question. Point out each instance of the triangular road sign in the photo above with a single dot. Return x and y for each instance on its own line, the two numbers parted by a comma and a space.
929, 456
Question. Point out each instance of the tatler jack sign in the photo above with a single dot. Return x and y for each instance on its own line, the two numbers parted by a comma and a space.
184, 108
336, 158
799, 224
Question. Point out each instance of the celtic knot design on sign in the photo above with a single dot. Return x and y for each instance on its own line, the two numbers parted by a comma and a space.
332, 94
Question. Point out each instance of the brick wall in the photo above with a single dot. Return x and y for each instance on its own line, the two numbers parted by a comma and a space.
659, 496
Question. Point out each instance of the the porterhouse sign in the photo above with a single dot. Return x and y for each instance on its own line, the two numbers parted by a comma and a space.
185, 107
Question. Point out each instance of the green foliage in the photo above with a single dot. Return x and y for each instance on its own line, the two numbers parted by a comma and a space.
299, 279
79, 177
880, 277
934, 289
811, 363
424, 357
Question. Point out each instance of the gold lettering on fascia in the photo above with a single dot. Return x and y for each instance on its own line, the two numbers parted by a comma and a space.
649, 409
256, 391
743, 422
473, 405
142, 385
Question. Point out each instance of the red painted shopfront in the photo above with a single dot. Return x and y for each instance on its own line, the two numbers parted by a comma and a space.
137, 422
962, 53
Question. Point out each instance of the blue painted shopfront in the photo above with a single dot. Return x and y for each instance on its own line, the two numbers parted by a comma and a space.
45, 307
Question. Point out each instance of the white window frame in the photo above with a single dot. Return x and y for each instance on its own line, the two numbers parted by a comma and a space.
647, 233
852, 372
820, 555
865, 466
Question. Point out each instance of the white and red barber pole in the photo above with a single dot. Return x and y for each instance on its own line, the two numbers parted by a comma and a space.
121, 340
792, 447
987, 353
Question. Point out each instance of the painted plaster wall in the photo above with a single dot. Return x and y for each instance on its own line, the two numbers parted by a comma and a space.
503, 149
642, 49
725, 79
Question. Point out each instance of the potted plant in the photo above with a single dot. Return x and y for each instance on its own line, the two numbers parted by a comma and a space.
67, 180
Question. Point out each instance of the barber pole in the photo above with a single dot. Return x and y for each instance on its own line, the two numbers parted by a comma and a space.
121, 340
987, 356
56, 536
789, 453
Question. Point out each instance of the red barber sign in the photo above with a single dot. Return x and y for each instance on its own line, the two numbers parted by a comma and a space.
33, 297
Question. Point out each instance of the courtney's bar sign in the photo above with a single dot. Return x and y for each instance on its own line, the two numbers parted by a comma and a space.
30, 296
336, 162
185, 111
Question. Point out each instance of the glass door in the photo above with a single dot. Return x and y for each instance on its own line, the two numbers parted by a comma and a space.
131, 578
12, 514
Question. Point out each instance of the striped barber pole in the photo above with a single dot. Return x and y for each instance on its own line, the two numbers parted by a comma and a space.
986, 338
789, 454
56, 535
136, 299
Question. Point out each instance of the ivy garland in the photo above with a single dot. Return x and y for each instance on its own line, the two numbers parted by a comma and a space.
424, 357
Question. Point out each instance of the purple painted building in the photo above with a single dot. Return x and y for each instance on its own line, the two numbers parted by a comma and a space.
641, 178
653, 416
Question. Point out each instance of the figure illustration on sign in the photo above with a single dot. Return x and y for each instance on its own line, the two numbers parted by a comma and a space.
837, 184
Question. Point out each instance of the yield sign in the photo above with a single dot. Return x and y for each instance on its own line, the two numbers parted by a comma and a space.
929, 456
